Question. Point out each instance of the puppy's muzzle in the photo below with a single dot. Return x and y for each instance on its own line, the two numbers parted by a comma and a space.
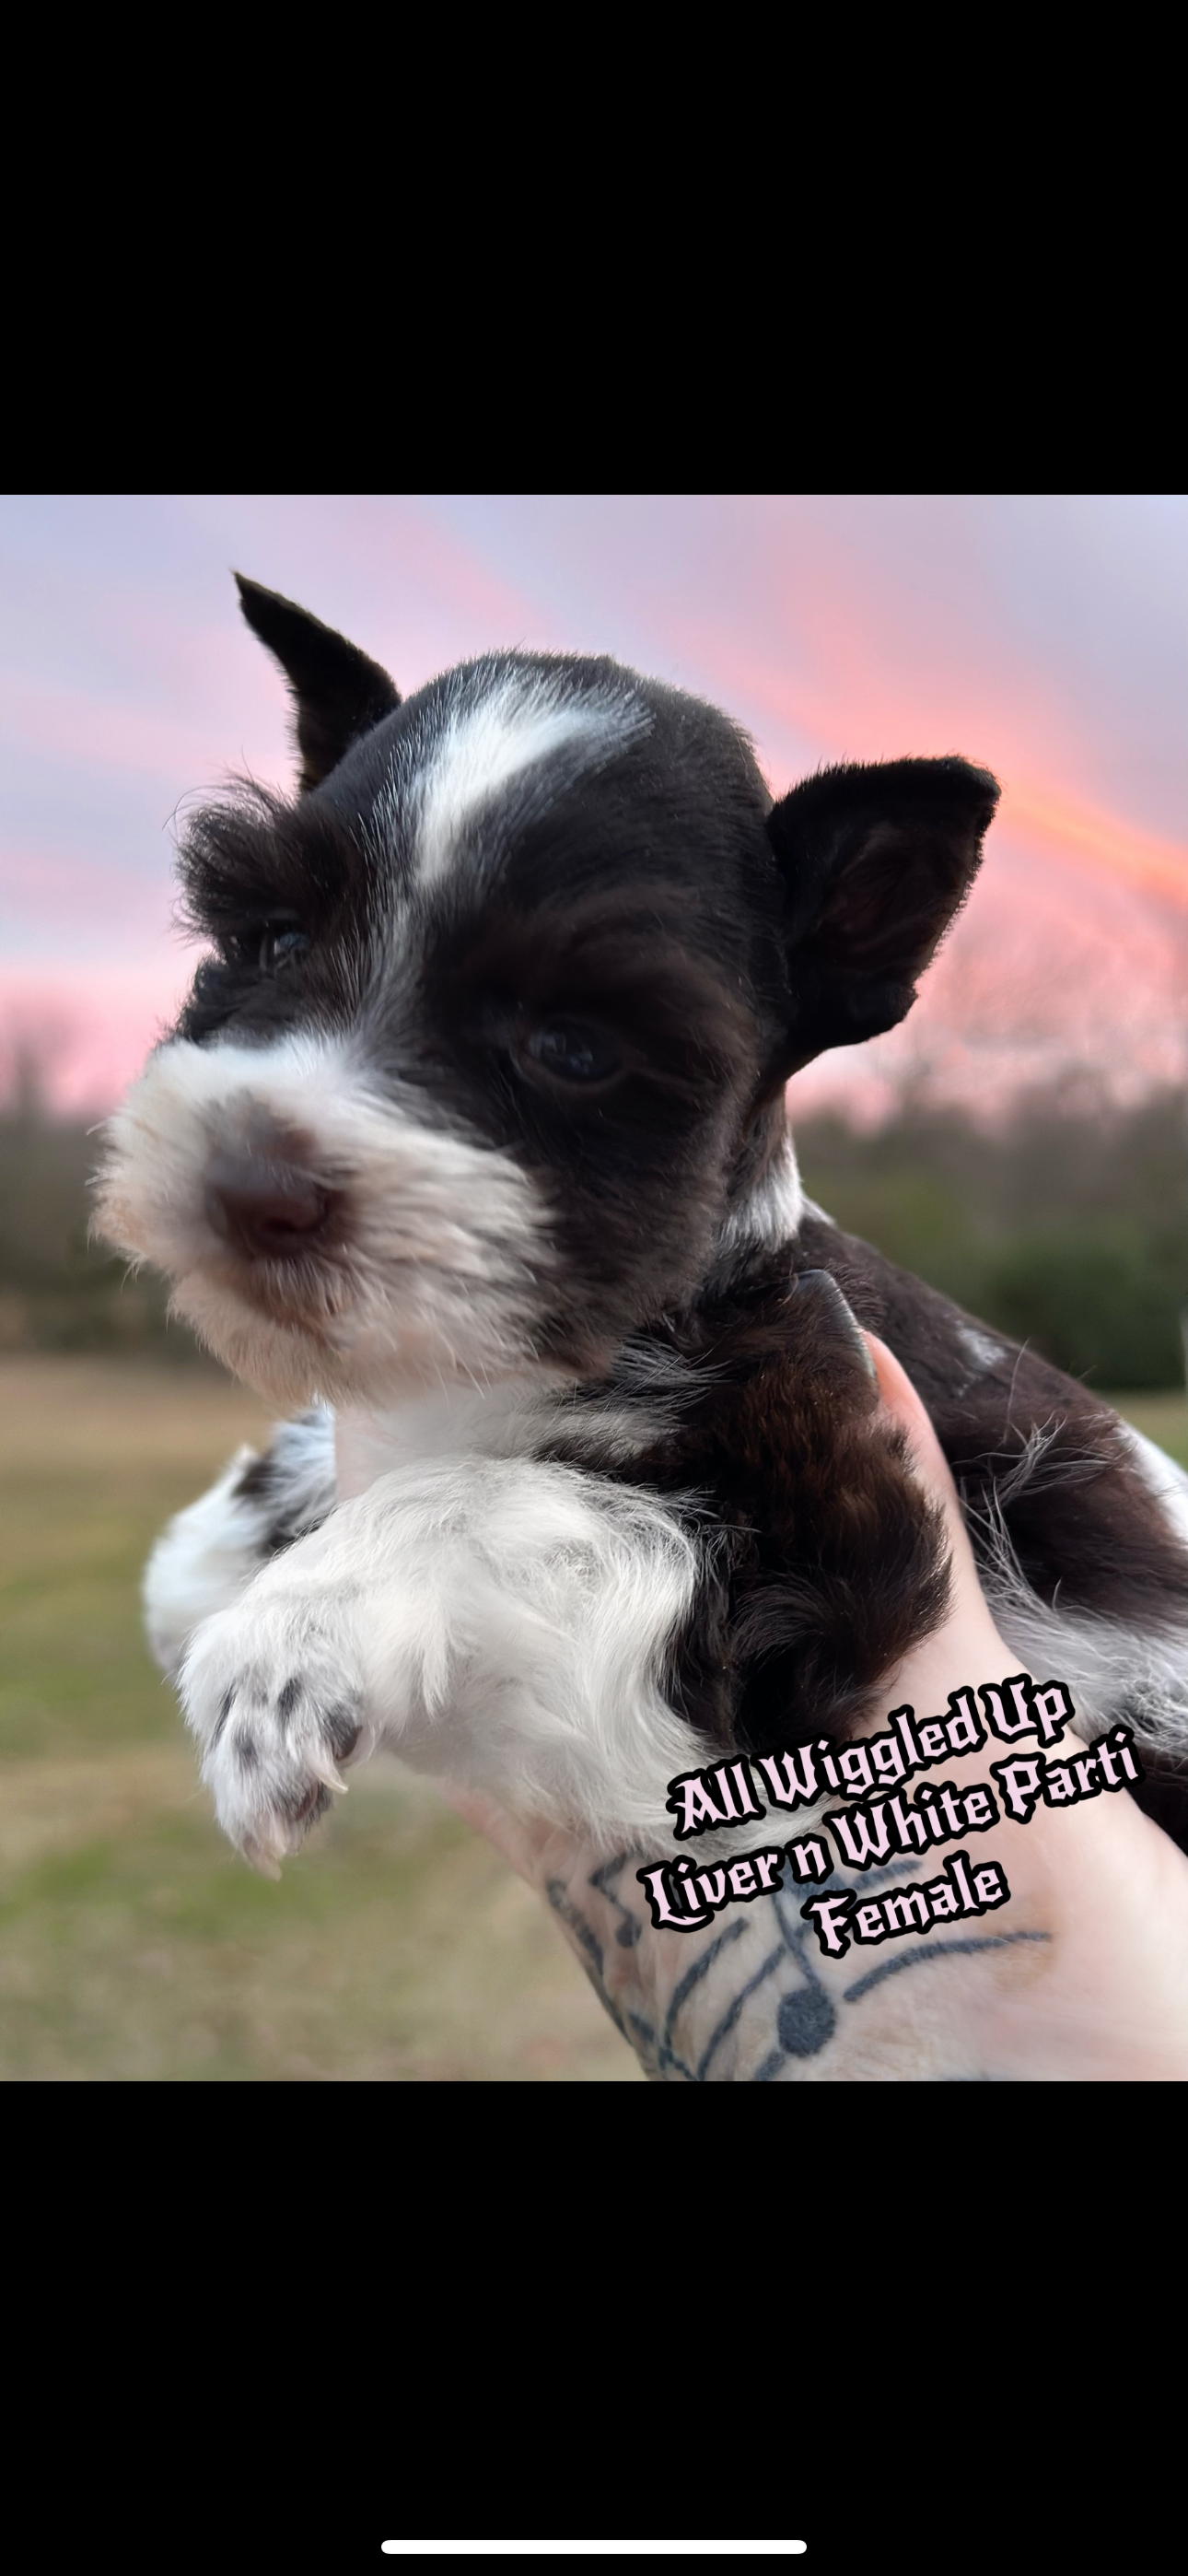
266, 1206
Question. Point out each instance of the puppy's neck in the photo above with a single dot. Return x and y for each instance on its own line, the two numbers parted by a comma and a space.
509, 1418
500, 1421
768, 1206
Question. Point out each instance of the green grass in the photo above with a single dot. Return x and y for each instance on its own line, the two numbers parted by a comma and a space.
94, 1457
139, 1947
134, 1944
1164, 1419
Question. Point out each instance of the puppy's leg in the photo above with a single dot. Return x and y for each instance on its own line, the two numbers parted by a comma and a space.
504, 1622
208, 1554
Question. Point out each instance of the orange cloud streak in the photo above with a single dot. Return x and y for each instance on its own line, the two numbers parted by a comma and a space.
1078, 833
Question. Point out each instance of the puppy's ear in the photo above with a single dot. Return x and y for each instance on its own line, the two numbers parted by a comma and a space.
337, 693
876, 862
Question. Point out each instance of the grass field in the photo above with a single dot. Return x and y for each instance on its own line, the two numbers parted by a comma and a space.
1164, 1418
134, 1944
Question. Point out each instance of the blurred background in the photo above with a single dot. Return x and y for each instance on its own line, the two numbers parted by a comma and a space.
1022, 1141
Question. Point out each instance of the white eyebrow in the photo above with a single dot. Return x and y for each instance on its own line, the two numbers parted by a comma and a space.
485, 746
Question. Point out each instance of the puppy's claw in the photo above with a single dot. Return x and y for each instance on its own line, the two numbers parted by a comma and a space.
323, 1770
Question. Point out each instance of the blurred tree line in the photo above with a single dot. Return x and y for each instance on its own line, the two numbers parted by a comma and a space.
59, 1291
1067, 1228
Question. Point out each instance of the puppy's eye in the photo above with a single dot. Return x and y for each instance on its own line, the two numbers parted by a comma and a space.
572, 1052
280, 942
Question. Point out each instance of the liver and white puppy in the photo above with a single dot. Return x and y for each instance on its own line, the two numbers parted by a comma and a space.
473, 1130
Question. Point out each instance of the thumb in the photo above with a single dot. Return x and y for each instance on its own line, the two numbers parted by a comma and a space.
901, 1401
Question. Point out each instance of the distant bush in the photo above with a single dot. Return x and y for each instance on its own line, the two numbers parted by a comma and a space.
59, 1292
1101, 1307
1068, 1229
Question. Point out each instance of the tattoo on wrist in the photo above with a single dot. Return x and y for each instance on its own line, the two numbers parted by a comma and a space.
753, 1978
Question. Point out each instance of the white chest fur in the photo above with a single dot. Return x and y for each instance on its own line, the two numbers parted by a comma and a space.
490, 1615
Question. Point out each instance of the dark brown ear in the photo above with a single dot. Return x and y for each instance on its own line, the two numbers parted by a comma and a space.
876, 862
337, 693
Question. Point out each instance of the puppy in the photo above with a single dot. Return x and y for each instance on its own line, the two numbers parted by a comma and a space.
471, 1137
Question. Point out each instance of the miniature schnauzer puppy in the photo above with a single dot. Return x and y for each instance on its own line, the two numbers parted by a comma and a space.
471, 1138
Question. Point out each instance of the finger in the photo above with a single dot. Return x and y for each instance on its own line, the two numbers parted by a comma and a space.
821, 1285
901, 1400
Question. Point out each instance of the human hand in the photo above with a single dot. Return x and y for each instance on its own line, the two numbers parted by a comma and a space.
1083, 1975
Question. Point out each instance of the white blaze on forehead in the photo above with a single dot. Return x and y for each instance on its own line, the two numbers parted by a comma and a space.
517, 725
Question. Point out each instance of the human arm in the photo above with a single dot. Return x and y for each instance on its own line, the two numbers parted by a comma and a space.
1082, 1975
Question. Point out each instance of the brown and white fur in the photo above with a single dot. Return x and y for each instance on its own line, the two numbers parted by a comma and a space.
471, 1139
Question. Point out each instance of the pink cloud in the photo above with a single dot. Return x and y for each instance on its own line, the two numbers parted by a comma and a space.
73, 723
1030, 635
89, 1036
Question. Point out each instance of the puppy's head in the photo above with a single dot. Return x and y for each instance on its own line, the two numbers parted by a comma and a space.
487, 1065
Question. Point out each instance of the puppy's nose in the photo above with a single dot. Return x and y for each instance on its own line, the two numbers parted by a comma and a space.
260, 1206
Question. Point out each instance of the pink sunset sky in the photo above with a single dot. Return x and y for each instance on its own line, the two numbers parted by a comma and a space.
1043, 636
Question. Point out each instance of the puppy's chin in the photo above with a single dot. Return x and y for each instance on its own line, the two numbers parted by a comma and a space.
351, 1347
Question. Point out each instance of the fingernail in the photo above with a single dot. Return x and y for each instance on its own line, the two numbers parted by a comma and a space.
826, 1285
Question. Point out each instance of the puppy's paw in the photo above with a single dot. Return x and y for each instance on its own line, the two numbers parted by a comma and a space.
273, 1691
